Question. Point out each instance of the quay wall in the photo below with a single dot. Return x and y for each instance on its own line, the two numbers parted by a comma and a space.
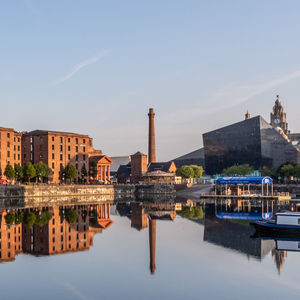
97, 192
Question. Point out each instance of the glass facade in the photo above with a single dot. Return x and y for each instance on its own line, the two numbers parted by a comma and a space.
252, 141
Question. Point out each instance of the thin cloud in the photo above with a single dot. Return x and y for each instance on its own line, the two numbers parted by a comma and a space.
82, 65
235, 95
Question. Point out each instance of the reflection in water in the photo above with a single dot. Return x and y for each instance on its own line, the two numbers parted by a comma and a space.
140, 213
64, 229
52, 230
279, 258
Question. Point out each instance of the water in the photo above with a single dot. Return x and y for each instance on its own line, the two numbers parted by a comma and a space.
134, 251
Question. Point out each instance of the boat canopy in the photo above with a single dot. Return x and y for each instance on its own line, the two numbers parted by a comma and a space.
243, 216
244, 180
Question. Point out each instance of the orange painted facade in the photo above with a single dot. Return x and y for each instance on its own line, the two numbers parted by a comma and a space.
103, 163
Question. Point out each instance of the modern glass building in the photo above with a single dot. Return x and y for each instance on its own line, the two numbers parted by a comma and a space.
252, 141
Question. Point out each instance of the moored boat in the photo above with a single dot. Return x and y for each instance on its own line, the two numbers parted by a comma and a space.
285, 223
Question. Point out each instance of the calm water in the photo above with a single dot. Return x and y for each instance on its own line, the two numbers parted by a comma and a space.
143, 251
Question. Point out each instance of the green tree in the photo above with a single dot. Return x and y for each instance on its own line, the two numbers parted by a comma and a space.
288, 170
42, 170
29, 219
265, 171
10, 218
19, 173
185, 172
71, 216
198, 171
42, 218
19, 217
29, 171
194, 213
93, 169
9, 172
238, 170
70, 172
297, 171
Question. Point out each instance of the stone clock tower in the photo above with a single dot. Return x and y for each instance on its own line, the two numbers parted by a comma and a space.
278, 117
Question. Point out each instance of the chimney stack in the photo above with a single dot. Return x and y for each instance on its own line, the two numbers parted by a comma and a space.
151, 141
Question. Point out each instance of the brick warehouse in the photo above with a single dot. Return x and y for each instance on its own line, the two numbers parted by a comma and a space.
10, 148
54, 148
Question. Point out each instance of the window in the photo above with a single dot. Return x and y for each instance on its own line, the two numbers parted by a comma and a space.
53, 139
18, 139
76, 157
83, 141
8, 144
53, 230
14, 156
61, 157
19, 157
69, 246
76, 148
53, 248
83, 149
53, 240
8, 153
8, 245
83, 157
52, 155
69, 156
8, 135
62, 238
69, 140
69, 228
8, 235
69, 148
76, 166
19, 148
69, 238
14, 147
61, 148
77, 236
61, 139
76, 140
52, 147
53, 221
61, 229
53, 165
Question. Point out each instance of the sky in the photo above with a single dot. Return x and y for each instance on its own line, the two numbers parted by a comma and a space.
96, 67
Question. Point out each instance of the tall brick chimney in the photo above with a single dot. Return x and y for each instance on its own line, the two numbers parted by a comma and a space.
151, 141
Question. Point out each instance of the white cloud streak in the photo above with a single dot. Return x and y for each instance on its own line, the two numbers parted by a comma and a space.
236, 94
82, 65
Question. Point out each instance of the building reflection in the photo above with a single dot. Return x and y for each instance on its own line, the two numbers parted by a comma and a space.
227, 224
146, 214
61, 233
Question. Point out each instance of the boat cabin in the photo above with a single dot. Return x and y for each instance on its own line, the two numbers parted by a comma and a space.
288, 218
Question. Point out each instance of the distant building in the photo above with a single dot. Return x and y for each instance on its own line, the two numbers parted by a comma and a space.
123, 173
252, 141
139, 166
10, 149
168, 167
193, 158
117, 162
278, 117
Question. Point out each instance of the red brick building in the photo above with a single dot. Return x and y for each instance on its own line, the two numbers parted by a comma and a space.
57, 150
10, 148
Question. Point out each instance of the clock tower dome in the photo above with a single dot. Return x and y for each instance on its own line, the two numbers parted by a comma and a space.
278, 116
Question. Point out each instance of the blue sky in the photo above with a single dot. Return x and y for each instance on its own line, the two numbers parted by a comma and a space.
96, 67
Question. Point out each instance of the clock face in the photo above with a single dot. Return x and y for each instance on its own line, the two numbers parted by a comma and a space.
277, 121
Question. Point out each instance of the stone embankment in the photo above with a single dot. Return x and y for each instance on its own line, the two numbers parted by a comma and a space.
84, 193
